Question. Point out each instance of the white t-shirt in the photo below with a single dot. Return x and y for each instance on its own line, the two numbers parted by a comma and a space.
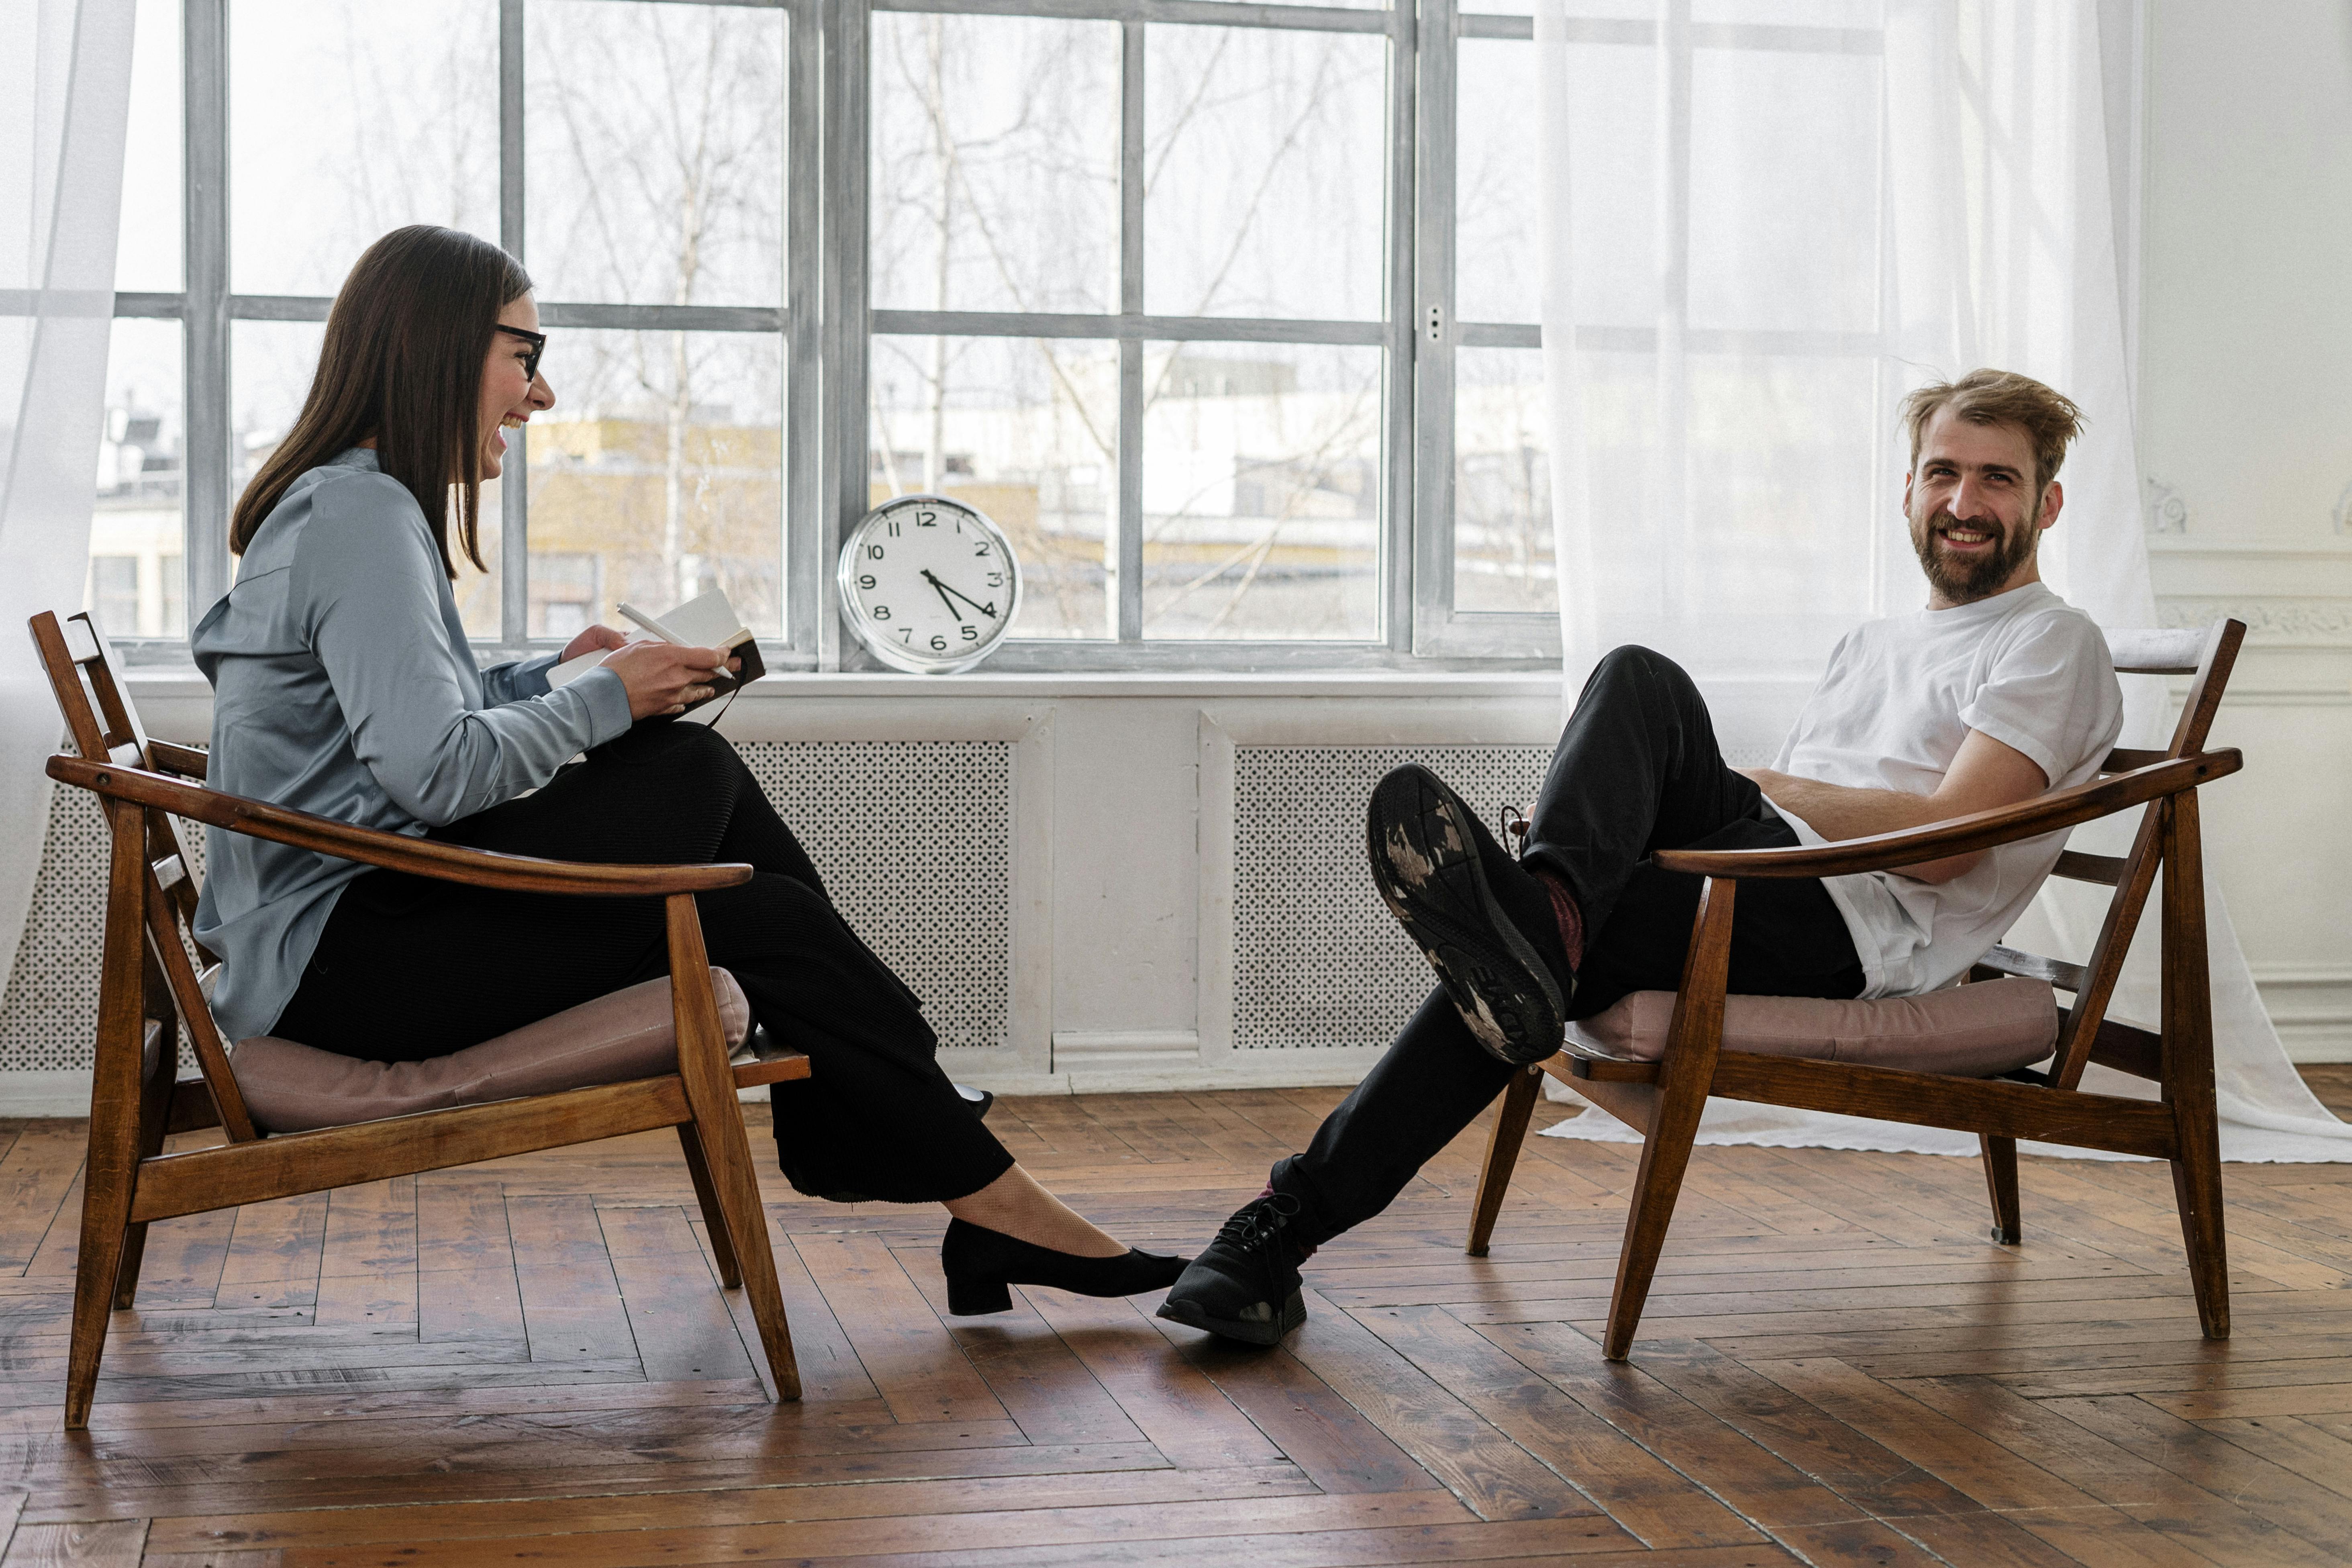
1898, 698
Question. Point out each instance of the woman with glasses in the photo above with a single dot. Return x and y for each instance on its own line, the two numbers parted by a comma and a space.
345, 685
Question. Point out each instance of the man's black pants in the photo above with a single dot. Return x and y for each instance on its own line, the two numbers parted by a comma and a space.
1637, 769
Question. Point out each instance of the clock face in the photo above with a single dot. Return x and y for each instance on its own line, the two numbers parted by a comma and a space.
928, 584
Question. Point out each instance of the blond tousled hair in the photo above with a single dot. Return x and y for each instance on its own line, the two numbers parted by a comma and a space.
2050, 420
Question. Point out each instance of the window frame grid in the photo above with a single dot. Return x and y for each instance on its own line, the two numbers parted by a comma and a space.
1131, 328
827, 326
1442, 629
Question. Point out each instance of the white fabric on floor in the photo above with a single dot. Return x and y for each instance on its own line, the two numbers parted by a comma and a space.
65, 98
1739, 290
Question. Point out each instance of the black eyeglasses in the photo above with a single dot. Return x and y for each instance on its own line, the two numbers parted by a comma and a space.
538, 342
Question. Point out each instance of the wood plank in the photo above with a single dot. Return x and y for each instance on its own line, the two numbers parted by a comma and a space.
114, 1543
1322, 1433
1545, 1541
2218, 1527
1448, 1438
2313, 1512
809, 1522
1042, 1384
417, 1482
1756, 1484
913, 1360
671, 1293
36, 1175
2310, 1449
274, 1254
571, 1304
184, 1261
1170, 1400
830, 1370
1659, 1506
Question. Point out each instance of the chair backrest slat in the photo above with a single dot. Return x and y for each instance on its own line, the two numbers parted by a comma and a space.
2056, 972
94, 698
2107, 870
2208, 656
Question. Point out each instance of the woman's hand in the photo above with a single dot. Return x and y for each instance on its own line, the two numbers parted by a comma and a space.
589, 641
666, 678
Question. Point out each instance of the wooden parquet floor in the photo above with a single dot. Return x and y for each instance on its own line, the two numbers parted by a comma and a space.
528, 1362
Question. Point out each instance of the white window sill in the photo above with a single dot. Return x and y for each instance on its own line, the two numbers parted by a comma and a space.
163, 684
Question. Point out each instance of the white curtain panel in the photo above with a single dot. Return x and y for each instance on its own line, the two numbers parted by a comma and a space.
64, 94
1756, 239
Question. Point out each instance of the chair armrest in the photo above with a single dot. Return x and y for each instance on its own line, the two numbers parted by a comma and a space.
395, 851
1962, 835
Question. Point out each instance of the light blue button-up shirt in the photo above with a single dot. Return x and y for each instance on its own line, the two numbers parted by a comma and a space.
344, 685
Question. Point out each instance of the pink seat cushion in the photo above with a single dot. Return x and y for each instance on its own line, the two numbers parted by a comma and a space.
291, 1088
1963, 1031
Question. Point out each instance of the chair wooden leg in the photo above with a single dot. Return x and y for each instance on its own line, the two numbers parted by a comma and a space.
111, 1172
723, 1246
719, 1121
154, 1123
2188, 1046
1512, 1109
1665, 1157
2000, 1182
1694, 1039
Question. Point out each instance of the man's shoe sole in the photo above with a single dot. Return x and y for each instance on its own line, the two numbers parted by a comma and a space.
1294, 1313
1422, 842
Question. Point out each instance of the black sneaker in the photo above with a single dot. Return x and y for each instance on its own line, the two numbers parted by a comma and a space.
1244, 1285
1474, 912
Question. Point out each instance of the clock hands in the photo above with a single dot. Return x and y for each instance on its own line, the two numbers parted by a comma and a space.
989, 610
941, 589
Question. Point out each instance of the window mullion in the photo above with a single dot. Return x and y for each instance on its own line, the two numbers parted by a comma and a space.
514, 487
1430, 334
208, 470
1124, 545
846, 329
1411, 125
1674, 143
804, 380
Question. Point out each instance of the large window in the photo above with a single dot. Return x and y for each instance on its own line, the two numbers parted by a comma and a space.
1226, 313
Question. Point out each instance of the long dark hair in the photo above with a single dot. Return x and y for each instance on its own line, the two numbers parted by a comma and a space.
403, 362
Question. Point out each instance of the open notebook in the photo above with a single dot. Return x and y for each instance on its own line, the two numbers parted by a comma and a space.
708, 620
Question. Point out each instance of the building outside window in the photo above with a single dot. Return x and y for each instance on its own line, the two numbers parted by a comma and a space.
1227, 315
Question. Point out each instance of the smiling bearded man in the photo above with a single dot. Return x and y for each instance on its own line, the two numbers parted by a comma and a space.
1995, 691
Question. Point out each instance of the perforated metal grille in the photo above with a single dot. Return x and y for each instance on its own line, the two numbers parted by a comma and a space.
914, 841
1318, 959
50, 1014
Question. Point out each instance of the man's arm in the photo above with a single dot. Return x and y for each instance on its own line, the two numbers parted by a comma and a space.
1986, 776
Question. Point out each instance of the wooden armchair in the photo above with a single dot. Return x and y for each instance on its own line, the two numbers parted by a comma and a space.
152, 985
1664, 1098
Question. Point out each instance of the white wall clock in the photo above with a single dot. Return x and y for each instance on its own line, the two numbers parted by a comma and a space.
928, 584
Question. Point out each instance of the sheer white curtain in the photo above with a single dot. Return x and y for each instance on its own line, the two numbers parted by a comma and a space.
65, 93
1757, 237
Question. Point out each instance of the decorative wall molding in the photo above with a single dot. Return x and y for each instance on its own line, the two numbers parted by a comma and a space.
2166, 508
2310, 1004
2323, 621
1092, 1050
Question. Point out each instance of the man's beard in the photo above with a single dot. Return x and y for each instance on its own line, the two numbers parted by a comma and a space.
1965, 579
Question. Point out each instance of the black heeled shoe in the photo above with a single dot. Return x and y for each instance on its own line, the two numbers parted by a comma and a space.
980, 1265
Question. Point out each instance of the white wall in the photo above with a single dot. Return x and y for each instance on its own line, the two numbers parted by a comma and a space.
2245, 392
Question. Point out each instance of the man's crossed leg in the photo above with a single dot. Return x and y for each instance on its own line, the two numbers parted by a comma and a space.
1520, 948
